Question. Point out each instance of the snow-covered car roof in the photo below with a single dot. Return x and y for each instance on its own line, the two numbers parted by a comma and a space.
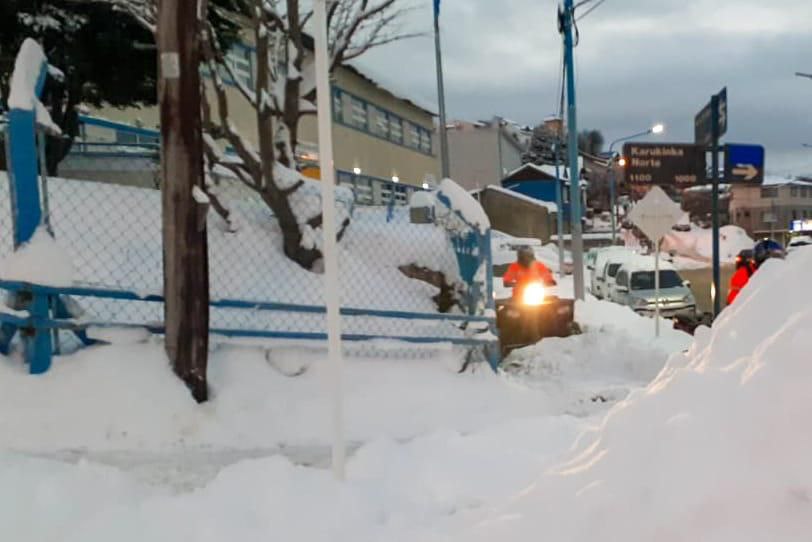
644, 263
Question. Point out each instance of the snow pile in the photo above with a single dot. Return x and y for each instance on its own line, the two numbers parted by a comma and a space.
715, 449
394, 492
459, 201
617, 347
125, 397
698, 243
23, 89
41, 261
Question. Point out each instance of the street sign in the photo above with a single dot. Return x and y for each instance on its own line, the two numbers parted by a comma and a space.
703, 129
655, 214
744, 164
678, 164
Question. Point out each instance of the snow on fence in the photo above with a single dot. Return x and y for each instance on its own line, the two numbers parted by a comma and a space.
110, 229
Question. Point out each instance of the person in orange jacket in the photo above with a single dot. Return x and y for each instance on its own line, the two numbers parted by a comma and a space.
526, 270
746, 265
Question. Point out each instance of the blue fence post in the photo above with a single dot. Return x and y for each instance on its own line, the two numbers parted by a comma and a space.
27, 213
493, 352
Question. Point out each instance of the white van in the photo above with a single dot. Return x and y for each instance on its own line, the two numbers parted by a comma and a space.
606, 265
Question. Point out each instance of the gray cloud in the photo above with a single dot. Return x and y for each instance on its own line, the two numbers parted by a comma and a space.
638, 61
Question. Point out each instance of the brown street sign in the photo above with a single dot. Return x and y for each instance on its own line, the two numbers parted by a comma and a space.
676, 164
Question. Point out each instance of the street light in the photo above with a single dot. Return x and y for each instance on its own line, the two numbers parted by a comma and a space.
658, 128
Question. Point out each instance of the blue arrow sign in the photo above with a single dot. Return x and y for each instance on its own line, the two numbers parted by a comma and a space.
744, 163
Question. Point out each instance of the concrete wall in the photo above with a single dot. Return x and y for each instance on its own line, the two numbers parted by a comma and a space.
481, 155
516, 216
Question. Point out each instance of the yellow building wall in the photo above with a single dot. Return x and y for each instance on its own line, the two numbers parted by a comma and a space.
352, 148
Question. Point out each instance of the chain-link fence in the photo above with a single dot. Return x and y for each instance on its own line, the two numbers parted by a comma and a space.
396, 276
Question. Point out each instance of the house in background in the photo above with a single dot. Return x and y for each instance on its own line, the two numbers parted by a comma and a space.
539, 183
769, 209
383, 135
481, 153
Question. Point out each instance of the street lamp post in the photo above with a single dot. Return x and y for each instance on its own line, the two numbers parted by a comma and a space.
656, 129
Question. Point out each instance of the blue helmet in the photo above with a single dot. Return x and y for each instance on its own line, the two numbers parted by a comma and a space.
767, 248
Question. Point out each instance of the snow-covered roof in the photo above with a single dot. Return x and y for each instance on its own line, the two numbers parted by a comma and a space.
775, 180
550, 206
374, 77
645, 263
547, 169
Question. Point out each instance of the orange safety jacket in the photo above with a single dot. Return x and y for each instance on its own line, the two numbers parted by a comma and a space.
519, 276
739, 280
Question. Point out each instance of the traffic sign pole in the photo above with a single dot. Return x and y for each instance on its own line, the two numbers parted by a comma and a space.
717, 290
575, 175
657, 288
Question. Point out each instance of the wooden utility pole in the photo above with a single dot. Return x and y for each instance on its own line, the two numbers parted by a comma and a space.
186, 271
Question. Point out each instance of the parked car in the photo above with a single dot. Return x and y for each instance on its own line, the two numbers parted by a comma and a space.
635, 288
606, 266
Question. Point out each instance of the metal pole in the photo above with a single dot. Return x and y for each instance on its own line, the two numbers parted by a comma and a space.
657, 290
331, 283
717, 278
446, 168
612, 204
559, 215
577, 246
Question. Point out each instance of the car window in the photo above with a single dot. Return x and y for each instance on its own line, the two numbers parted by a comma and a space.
644, 280
612, 269
622, 278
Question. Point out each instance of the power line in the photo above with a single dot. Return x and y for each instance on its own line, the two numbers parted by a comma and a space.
590, 10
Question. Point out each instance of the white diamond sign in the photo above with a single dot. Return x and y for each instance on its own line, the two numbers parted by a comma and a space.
655, 214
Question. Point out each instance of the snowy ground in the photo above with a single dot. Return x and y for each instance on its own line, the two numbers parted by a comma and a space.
609, 435
713, 449
110, 431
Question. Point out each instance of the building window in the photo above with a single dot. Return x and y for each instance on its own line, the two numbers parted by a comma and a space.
794, 214
359, 113
338, 106
806, 191
240, 60
747, 214
793, 192
378, 122
413, 136
769, 192
396, 130
425, 141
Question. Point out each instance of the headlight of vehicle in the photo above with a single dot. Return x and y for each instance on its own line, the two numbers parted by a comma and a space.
689, 299
533, 294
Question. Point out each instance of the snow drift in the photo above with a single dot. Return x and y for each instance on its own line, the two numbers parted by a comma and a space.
698, 243
716, 448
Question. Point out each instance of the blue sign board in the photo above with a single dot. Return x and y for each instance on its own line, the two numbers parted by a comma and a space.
744, 164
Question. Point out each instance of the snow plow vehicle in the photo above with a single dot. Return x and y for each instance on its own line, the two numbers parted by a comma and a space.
537, 314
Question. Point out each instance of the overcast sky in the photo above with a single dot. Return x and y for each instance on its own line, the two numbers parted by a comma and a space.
639, 61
